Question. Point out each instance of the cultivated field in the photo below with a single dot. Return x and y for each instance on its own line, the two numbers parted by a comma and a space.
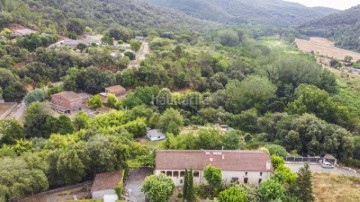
333, 188
325, 47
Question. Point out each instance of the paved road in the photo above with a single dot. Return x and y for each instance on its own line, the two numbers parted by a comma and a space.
317, 168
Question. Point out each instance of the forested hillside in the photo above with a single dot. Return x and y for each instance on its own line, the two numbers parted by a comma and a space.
343, 27
97, 14
243, 11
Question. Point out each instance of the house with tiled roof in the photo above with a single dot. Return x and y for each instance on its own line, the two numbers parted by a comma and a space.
106, 186
116, 90
66, 102
237, 166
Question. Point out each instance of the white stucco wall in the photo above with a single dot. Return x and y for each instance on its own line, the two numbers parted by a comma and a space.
253, 177
100, 194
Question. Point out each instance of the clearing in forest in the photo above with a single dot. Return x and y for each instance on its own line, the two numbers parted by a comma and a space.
325, 47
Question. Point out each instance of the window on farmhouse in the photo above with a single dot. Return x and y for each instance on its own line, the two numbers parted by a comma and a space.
163, 172
196, 174
182, 173
246, 180
235, 180
176, 174
169, 173
260, 181
245, 173
260, 173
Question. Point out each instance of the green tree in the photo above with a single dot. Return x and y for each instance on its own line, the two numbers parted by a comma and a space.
276, 150
277, 161
271, 190
232, 194
231, 140
164, 99
111, 100
81, 47
65, 125
171, 121
213, 176
252, 92
35, 120
209, 138
131, 55
10, 131
82, 121
304, 184
95, 102
75, 25
135, 45
158, 188
188, 188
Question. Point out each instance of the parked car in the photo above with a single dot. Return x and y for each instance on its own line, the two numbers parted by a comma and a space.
326, 164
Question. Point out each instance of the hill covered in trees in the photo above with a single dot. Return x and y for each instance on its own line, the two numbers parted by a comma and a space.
343, 27
53, 15
276, 12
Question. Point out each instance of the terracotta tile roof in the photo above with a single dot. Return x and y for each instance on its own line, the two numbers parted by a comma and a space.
235, 160
108, 180
115, 89
69, 95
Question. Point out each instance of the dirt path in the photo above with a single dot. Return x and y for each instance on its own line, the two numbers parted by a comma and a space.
18, 112
140, 55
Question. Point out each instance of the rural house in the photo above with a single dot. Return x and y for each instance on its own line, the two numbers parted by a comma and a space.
237, 166
106, 184
66, 102
117, 90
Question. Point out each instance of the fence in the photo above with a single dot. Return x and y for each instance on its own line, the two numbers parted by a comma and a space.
311, 159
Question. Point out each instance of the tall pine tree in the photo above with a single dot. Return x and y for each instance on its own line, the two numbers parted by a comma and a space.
188, 189
304, 185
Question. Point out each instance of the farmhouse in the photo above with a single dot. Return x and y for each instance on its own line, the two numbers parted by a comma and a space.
105, 185
117, 90
237, 166
66, 102
155, 135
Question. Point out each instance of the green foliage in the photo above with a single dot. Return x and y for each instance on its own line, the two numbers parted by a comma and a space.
10, 131
230, 37
213, 176
111, 101
137, 127
304, 185
188, 188
120, 187
29, 177
135, 45
277, 161
232, 194
37, 95
76, 26
95, 102
254, 91
158, 188
171, 121
131, 55
271, 190
35, 120
276, 150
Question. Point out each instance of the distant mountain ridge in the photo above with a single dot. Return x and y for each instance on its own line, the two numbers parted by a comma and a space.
343, 27
275, 12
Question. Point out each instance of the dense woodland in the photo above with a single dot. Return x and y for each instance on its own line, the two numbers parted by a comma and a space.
275, 98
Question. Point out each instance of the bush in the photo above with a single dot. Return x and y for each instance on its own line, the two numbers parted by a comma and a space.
276, 150
130, 55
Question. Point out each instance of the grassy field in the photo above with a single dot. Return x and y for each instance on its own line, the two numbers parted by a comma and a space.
336, 188
325, 48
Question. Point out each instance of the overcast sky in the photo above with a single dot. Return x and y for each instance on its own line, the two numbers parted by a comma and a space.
338, 4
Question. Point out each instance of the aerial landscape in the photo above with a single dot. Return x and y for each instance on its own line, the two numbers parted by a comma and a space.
179, 101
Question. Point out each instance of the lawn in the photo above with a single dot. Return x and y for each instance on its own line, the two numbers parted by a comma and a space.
333, 188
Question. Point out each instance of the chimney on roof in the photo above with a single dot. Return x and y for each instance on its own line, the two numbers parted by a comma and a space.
268, 165
223, 157
211, 159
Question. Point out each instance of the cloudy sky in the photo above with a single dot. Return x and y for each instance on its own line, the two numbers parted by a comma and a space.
338, 4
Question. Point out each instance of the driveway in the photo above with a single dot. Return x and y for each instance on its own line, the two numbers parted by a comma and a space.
134, 182
140, 55
295, 167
